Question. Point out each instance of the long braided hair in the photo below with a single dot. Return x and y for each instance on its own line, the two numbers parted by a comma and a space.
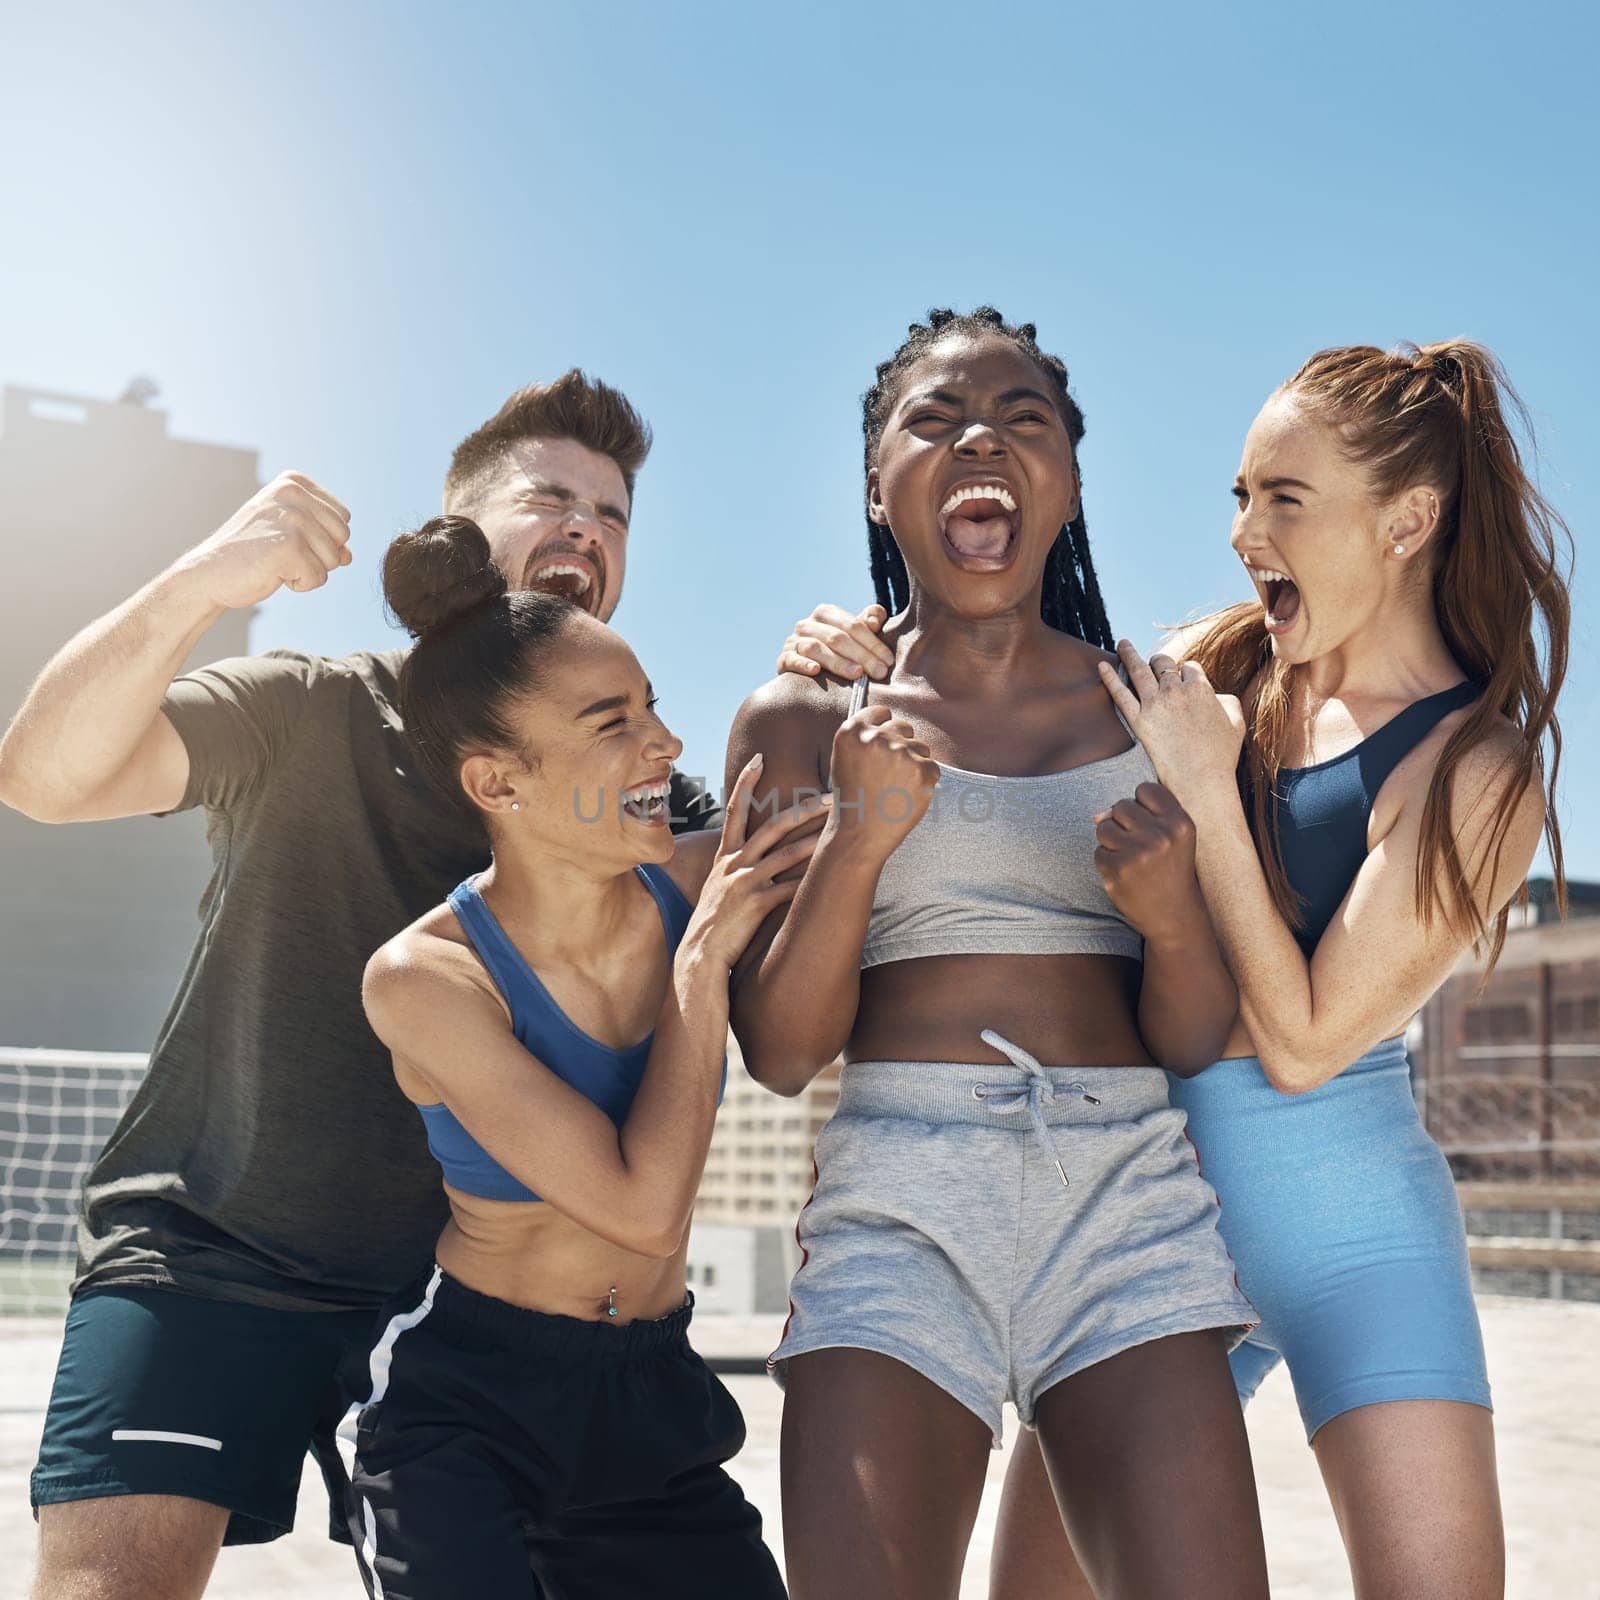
1070, 601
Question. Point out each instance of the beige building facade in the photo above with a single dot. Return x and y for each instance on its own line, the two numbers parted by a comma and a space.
759, 1172
96, 497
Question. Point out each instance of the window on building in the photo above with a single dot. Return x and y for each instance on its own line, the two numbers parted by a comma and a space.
709, 1276
1497, 1024
688, 1272
1576, 1017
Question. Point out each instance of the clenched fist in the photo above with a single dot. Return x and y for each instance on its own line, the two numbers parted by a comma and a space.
1145, 858
883, 777
291, 533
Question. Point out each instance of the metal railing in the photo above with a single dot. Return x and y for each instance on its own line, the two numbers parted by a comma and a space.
1514, 1128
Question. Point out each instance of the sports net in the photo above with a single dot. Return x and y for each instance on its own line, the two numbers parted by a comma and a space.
57, 1108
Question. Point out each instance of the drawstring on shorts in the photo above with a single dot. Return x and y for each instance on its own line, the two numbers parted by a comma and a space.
1035, 1093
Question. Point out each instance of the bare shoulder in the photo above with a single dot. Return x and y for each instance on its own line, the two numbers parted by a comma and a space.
790, 720
425, 966
1497, 804
794, 699
1490, 773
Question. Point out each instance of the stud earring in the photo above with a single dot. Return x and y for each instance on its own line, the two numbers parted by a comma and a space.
516, 805
1399, 550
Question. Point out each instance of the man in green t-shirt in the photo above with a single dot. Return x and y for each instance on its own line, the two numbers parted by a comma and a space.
269, 1185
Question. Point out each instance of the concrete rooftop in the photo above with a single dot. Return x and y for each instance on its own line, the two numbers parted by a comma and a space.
1544, 1360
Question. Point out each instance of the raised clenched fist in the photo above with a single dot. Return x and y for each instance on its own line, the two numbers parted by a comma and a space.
291, 533
883, 777
1144, 853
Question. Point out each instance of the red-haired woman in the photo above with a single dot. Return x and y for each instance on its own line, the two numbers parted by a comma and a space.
1394, 704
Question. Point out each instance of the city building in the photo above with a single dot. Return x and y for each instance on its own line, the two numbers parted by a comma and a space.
759, 1172
95, 498
1507, 1068
738, 1270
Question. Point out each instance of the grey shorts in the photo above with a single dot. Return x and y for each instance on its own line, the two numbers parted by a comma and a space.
999, 1228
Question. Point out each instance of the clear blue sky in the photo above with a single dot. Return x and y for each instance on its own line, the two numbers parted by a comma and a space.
342, 233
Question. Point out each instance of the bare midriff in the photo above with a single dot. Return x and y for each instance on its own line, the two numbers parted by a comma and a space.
1238, 1042
528, 1253
1065, 1010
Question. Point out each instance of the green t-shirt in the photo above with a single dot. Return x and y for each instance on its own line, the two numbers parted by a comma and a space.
269, 1157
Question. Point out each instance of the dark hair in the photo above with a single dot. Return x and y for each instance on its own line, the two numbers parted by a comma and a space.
1070, 601
576, 407
1436, 417
479, 644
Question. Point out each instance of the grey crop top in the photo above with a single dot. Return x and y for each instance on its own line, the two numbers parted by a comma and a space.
1005, 866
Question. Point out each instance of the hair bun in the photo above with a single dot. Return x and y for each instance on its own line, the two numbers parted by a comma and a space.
437, 574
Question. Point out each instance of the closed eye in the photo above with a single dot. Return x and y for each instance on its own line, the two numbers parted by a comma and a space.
621, 722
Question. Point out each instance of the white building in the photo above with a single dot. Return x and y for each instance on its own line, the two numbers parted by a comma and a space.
738, 1271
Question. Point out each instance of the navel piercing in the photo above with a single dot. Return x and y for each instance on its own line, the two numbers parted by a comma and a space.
516, 805
611, 1301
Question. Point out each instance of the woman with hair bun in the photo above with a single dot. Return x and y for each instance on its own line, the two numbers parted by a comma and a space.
1363, 750
537, 1422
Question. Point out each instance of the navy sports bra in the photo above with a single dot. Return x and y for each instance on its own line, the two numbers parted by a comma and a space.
1322, 811
607, 1076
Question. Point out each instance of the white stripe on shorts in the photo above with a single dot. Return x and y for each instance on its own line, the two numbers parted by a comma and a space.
157, 1436
378, 1367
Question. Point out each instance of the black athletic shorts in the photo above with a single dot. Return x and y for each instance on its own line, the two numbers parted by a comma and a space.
162, 1392
511, 1454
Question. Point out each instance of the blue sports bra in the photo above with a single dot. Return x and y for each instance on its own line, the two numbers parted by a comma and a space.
1322, 811
607, 1076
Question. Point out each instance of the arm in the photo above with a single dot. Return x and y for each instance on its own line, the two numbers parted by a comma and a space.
441, 1019
90, 741
797, 988
1378, 961
634, 1186
1145, 855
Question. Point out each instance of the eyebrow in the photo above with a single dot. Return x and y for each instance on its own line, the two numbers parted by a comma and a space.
1278, 483
550, 491
947, 398
556, 491
612, 702
941, 397
1025, 393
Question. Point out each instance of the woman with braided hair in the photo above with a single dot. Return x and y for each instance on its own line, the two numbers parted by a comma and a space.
1363, 750
1006, 1207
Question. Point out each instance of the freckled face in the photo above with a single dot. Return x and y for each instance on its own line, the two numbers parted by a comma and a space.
1308, 530
975, 474
557, 520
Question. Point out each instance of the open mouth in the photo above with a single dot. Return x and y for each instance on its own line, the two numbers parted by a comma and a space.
1280, 597
647, 803
979, 524
567, 577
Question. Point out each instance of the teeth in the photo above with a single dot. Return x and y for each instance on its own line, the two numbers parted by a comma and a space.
1269, 575
979, 491
647, 791
563, 569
